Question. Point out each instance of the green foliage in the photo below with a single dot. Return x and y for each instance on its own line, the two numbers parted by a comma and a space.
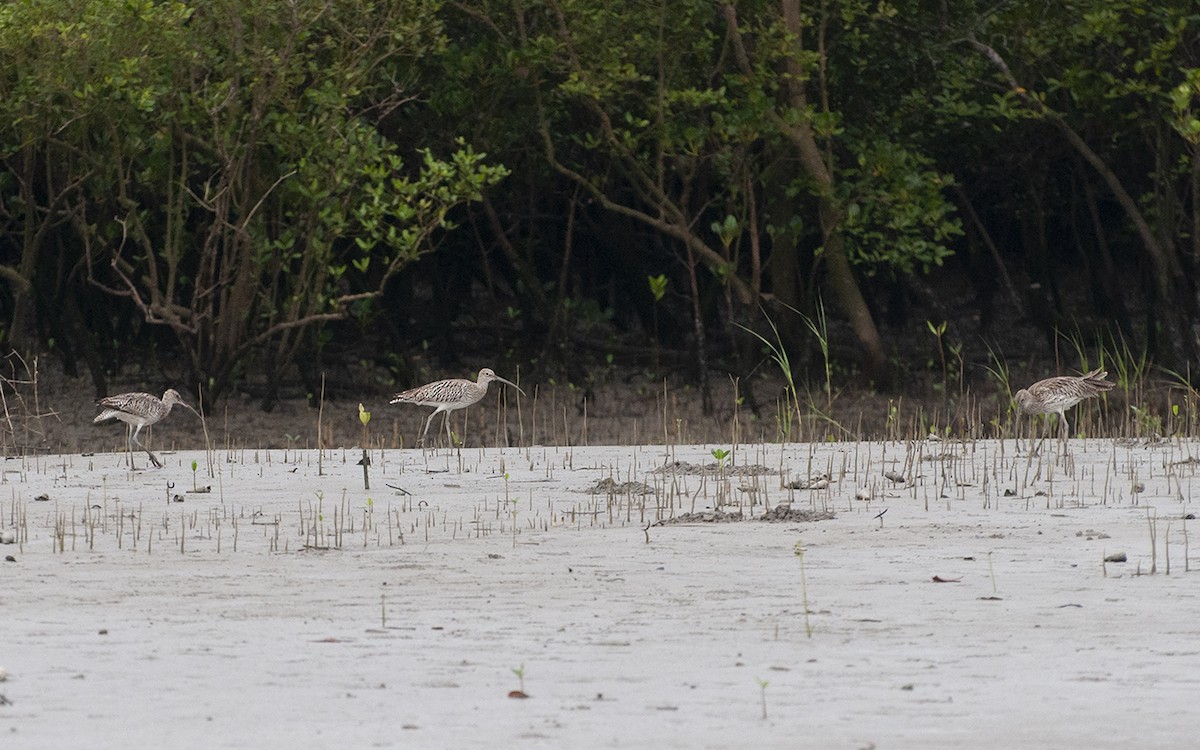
1185, 106
896, 213
243, 173
225, 161
658, 286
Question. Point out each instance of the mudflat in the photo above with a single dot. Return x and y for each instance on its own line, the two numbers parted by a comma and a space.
916, 594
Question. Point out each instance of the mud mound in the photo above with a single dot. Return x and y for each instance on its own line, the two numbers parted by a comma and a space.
610, 486
712, 469
781, 513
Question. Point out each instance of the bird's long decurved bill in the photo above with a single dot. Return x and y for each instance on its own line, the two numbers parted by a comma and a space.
509, 382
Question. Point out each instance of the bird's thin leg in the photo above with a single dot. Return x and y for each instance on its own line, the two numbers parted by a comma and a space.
449, 437
1017, 432
153, 458
426, 430
129, 445
1042, 438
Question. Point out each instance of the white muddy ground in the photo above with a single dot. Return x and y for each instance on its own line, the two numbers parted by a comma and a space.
283, 609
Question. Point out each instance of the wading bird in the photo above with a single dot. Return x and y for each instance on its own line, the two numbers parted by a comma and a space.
450, 395
138, 410
1056, 395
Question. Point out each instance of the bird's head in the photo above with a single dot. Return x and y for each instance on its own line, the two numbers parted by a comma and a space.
1023, 399
486, 375
172, 397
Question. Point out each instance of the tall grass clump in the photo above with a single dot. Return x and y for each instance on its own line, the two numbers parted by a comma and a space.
779, 354
997, 367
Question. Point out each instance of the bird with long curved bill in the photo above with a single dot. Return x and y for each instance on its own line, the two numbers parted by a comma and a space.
450, 395
138, 410
1056, 395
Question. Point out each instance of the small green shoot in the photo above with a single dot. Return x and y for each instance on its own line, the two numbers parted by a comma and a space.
799, 550
364, 416
721, 454
762, 687
520, 691
939, 332
291, 440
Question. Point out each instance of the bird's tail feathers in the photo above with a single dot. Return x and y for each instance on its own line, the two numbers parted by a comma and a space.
1096, 379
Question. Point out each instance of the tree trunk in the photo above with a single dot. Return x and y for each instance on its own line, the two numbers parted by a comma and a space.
841, 275
22, 331
813, 161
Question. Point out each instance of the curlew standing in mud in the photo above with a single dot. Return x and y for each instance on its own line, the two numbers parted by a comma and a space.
138, 410
450, 395
1056, 395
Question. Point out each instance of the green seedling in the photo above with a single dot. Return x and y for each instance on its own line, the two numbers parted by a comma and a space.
799, 550
939, 332
194, 467
762, 686
720, 454
364, 416
520, 691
